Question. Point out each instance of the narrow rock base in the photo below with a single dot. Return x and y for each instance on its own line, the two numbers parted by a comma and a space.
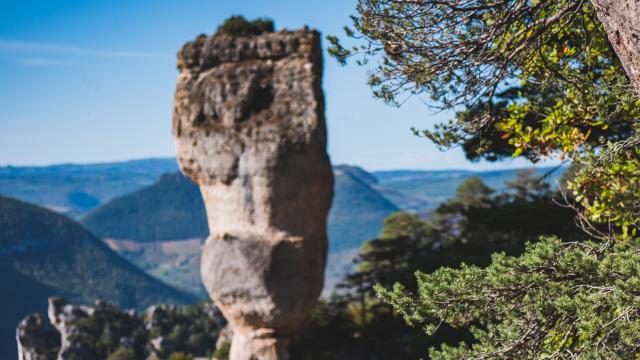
259, 345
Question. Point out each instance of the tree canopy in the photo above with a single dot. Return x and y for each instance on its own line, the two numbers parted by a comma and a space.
533, 79
525, 79
466, 229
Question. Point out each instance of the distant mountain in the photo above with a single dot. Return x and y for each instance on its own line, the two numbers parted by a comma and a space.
145, 221
76, 189
358, 209
177, 263
420, 190
356, 216
43, 253
170, 209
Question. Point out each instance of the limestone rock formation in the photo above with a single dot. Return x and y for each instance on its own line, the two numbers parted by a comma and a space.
37, 339
65, 318
249, 128
95, 332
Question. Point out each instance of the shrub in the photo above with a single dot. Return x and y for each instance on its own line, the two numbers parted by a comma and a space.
180, 356
122, 354
239, 26
223, 352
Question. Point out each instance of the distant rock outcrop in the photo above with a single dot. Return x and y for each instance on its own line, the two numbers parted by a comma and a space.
250, 130
37, 339
96, 332
43, 253
64, 334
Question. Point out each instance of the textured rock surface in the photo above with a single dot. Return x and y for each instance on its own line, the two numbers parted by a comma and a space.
95, 332
621, 20
63, 316
77, 340
249, 129
37, 339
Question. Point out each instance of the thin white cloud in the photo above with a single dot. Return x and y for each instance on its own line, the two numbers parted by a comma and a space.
24, 47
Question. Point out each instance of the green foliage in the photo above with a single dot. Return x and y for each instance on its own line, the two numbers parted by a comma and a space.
473, 192
567, 97
238, 26
102, 332
222, 353
402, 224
465, 229
556, 300
180, 356
525, 78
123, 354
335, 332
610, 193
530, 79
193, 330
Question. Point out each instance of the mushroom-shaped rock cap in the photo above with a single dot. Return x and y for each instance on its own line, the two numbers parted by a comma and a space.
258, 95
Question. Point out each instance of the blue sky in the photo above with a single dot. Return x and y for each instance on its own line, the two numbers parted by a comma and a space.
92, 81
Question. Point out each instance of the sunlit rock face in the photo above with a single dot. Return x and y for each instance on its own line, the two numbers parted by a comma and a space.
250, 130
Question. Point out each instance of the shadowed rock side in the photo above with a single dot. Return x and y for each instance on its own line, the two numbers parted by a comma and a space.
249, 129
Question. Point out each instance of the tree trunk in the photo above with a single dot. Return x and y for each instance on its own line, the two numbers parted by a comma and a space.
621, 20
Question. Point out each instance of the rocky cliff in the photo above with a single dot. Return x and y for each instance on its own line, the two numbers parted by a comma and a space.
249, 129
103, 331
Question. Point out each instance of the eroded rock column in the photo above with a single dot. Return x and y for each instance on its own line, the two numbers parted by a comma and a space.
250, 130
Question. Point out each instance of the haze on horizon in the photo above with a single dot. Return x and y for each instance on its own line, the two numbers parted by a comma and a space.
91, 81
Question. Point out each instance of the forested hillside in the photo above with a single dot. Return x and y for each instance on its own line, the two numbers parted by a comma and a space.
170, 209
43, 253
